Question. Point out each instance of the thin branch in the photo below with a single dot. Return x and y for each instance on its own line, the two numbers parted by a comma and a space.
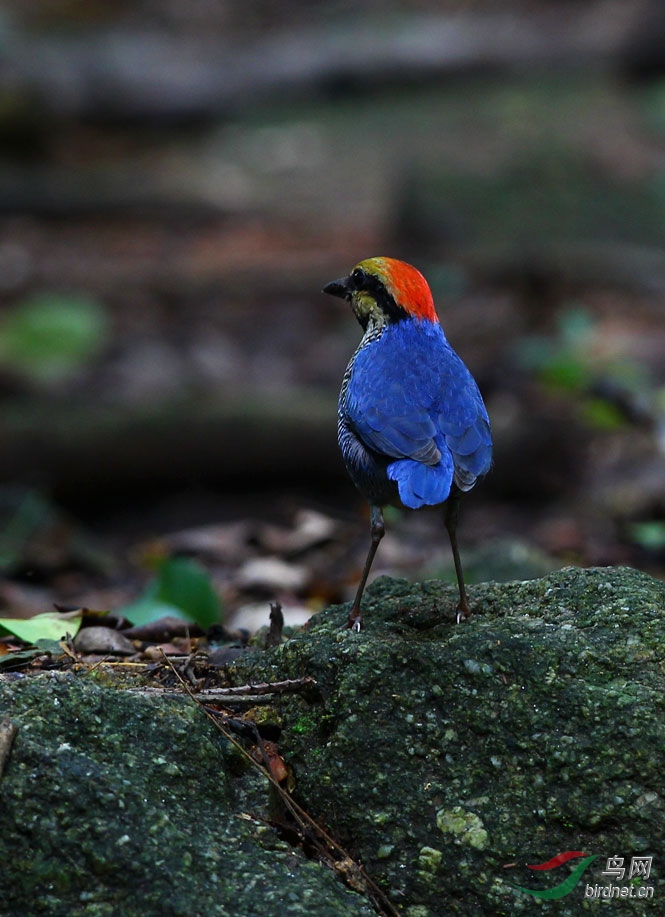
328, 849
288, 686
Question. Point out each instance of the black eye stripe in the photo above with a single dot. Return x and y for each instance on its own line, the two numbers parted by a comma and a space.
364, 282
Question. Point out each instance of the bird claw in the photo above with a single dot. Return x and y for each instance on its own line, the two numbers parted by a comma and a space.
463, 614
354, 623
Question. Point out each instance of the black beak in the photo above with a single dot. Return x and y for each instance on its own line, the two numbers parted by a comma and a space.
339, 288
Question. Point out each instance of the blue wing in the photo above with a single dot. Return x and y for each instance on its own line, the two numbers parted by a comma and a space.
412, 399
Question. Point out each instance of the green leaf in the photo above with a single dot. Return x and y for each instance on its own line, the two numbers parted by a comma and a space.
182, 589
603, 415
52, 625
649, 535
149, 608
49, 335
18, 659
565, 371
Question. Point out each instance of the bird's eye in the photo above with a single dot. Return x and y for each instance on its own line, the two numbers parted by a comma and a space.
359, 277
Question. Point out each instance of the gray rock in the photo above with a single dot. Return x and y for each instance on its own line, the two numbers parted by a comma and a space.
117, 803
444, 757
440, 753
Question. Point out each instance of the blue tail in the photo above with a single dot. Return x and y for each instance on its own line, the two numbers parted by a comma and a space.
422, 485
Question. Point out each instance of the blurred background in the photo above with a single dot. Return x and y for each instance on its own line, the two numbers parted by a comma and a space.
180, 178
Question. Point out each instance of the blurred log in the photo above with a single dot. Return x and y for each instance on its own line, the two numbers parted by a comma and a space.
85, 453
545, 219
157, 76
123, 191
576, 265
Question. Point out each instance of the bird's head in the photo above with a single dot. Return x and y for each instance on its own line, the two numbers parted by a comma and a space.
383, 291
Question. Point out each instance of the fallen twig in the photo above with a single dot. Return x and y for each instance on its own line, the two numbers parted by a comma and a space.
328, 850
288, 686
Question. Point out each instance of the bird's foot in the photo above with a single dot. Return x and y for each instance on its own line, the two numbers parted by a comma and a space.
463, 613
355, 621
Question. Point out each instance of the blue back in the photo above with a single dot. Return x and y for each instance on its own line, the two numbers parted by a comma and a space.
411, 398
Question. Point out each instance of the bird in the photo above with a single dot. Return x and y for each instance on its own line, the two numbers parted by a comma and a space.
412, 425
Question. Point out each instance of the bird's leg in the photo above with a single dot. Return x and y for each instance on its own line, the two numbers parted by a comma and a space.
377, 531
452, 515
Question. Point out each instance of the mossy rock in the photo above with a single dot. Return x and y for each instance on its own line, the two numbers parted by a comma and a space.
127, 803
446, 757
